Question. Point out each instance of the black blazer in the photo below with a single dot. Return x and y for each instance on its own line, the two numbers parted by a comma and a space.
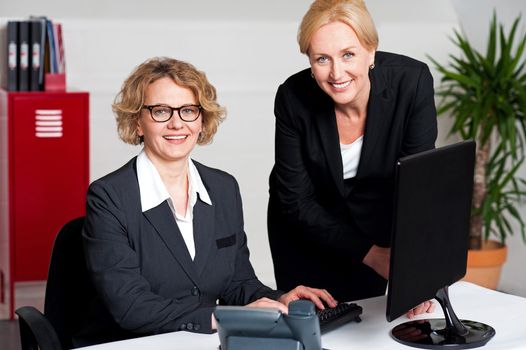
315, 221
143, 274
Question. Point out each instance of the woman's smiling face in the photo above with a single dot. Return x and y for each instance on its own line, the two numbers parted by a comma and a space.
340, 63
174, 139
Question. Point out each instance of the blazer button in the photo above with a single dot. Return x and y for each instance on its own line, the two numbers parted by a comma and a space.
197, 327
189, 326
195, 291
182, 327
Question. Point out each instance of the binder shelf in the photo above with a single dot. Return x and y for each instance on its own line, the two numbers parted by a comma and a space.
44, 175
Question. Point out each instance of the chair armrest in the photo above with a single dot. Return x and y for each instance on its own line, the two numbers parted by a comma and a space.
36, 331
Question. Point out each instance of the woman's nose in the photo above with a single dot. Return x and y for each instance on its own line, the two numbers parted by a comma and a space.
175, 122
336, 70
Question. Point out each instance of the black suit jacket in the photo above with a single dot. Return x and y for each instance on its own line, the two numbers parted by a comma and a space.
145, 279
315, 221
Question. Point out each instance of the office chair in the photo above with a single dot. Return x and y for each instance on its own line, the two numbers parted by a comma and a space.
68, 291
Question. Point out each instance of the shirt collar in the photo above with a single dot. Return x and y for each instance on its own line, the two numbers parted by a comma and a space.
197, 183
153, 191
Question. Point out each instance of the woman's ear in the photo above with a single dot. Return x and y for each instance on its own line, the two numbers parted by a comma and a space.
371, 58
140, 133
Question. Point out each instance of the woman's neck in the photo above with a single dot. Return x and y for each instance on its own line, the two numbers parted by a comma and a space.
350, 119
175, 178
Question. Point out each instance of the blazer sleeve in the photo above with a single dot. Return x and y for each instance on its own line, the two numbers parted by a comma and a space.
296, 193
244, 287
115, 270
421, 129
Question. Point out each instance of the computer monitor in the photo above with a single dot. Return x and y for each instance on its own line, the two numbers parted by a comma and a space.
432, 208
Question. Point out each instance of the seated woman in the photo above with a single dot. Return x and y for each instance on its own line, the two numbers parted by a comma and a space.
164, 235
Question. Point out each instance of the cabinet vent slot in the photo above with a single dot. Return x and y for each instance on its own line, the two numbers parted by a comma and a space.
48, 123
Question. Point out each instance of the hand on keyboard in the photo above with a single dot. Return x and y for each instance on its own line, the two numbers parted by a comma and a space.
331, 318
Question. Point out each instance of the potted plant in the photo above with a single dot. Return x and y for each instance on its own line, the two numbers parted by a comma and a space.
485, 95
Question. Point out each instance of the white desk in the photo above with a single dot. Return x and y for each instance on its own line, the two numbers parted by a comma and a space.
505, 313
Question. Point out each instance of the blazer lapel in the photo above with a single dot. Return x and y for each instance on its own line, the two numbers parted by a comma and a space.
329, 138
161, 218
377, 117
204, 233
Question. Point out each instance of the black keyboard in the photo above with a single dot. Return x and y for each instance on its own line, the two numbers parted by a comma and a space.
331, 318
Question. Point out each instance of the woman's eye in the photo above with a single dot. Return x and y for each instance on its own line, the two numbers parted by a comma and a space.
348, 55
322, 59
159, 111
187, 110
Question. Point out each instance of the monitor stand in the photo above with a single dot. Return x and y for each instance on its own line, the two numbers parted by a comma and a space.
450, 333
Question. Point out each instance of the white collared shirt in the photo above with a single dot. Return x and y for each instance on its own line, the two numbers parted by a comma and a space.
153, 192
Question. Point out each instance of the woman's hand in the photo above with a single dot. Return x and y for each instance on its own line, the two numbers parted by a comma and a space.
269, 303
378, 259
317, 296
214, 322
263, 303
426, 306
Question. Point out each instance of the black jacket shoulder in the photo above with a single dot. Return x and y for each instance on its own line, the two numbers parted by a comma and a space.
388, 59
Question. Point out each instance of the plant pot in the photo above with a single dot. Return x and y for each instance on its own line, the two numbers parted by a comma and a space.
485, 265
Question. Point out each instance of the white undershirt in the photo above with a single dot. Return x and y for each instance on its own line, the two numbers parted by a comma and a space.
351, 157
153, 192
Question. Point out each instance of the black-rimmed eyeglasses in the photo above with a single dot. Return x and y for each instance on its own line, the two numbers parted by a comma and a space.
163, 113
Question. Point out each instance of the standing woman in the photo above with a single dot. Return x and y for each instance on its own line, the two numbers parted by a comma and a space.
163, 236
340, 127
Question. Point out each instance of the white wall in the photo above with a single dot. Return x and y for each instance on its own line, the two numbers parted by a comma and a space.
246, 47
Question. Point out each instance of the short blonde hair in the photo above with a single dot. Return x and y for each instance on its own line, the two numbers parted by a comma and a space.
130, 100
354, 13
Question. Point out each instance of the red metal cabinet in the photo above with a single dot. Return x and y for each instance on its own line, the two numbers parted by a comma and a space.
44, 175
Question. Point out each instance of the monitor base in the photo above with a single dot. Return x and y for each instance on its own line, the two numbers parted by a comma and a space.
433, 334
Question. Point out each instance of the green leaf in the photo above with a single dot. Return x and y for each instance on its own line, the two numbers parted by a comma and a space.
492, 41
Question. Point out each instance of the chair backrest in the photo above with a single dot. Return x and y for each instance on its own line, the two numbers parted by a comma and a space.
69, 288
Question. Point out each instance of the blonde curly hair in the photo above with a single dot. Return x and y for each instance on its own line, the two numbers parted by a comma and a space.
130, 100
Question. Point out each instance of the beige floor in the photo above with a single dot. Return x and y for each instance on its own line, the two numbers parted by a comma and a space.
26, 294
